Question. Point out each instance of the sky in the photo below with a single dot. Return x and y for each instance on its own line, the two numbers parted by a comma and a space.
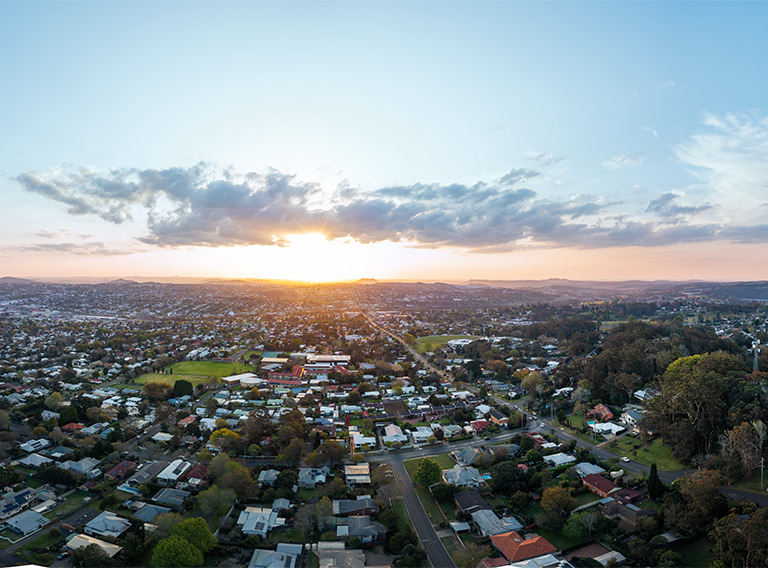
424, 140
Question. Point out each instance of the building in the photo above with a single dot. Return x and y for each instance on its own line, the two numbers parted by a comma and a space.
268, 477
107, 524
599, 485
359, 506
515, 548
171, 474
120, 470
286, 556
488, 524
467, 456
393, 433
359, 474
556, 460
362, 527
470, 501
75, 541
498, 418
309, 477
27, 522
171, 497
147, 473
258, 521
13, 503
461, 476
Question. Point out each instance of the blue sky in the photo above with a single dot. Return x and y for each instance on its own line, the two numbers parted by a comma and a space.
425, 139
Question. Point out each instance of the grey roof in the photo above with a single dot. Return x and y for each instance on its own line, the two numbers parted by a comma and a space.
172, 497
470, 501
148, 511
362, 525
27, 522
107, 524
347, 506
148, 472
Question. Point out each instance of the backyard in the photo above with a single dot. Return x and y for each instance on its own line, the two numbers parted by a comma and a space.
655, 452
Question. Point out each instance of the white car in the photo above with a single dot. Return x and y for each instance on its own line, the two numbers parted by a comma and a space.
542, 425
624, 458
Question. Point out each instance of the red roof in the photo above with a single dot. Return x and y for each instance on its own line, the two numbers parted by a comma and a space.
197, 471
479, 424
186, 421
285, 382
600, 484
515, 548
121, 469
72, 427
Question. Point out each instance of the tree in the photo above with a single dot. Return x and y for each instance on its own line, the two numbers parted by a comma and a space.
196, 532
428, 472
91, 556
165, 523
216, 500
292, 454
740, 537
695, 503
217, 466
183, 387
655, 486
443, 492
5, 420
532, 383
53, 402
471, 555
507, 477
156, 391
241, 482
175, 551
581, 524
134, 547
322, 513
558, 500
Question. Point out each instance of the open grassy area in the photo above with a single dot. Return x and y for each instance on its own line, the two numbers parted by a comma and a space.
557, 538
402, 514
695, 554
435, 341
41, 558
443, 460
753, 483
72, 503
584, 498
313, 561
209, 368
168, 379
656, 453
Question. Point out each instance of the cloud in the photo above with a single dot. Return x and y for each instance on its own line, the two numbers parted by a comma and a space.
666, 207
83, 249
624, 161
205, 206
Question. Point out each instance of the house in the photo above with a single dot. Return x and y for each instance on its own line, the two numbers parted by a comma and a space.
467, 456
107, 524
196, 475
538, 440
556, 460
258, 521
599, 485
171, 474
421, 434
499, 418
462, 476
606, 428
76, 541
601, 412
585, 468
13, 503
172, 497
479, 425
470, 501
393, 433
120, 470
35, 460
359, 474
363, 528
359, 506
631, 418
488, 524
147, 473
309, 477
184, 422
27, 522
147, 511
59, 452
629, 513
515, 548
82, 467
268, 477
286, 556
35, 445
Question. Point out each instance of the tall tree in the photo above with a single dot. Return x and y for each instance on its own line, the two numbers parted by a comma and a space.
175, 551
196, 532
428, 472
655, 486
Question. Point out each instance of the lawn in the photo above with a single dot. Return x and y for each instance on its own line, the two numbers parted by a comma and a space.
558, 539
443, 460
403, 519
656, 453
313, 561
695, 554
290, 535
436, 341
584, 498
43, 541
72, 503
752, 483
168, 379
209, 368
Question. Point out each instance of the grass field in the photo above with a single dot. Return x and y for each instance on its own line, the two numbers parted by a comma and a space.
434, 511
656, 453
196, 372
437, 341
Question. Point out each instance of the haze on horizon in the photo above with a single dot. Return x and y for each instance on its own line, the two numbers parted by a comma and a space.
340, 140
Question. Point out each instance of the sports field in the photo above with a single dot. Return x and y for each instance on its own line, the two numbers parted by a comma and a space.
195, 372
435, 341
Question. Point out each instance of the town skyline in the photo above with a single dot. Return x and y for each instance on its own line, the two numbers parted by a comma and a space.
334, 141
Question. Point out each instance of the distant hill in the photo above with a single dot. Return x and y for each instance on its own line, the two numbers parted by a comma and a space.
121, 281
366, 281
16, 281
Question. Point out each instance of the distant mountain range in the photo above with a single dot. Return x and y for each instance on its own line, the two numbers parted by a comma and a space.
552, 289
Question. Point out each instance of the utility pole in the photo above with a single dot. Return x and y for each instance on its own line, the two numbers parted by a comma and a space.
762, 468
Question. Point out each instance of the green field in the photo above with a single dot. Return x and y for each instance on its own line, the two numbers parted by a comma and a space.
437, 341
196, 372
656, 453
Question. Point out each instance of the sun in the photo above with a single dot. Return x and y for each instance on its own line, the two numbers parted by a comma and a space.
310, 257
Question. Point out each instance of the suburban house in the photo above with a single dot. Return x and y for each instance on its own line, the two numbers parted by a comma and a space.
516, 549
359, 474
363, 528
488, 524
601, 412
13, 503
268, 477
258, 521
309, 477
171, 474
285, 556
470, 501
359, 506
76, 541
172, 497
556, 460
498, 418
421, 434
393, 433
107, 524
120, 470
585, 468
35, 460
630, 419
27, 522
147, 473
629, 513
599, 485
462, 476
467, 456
